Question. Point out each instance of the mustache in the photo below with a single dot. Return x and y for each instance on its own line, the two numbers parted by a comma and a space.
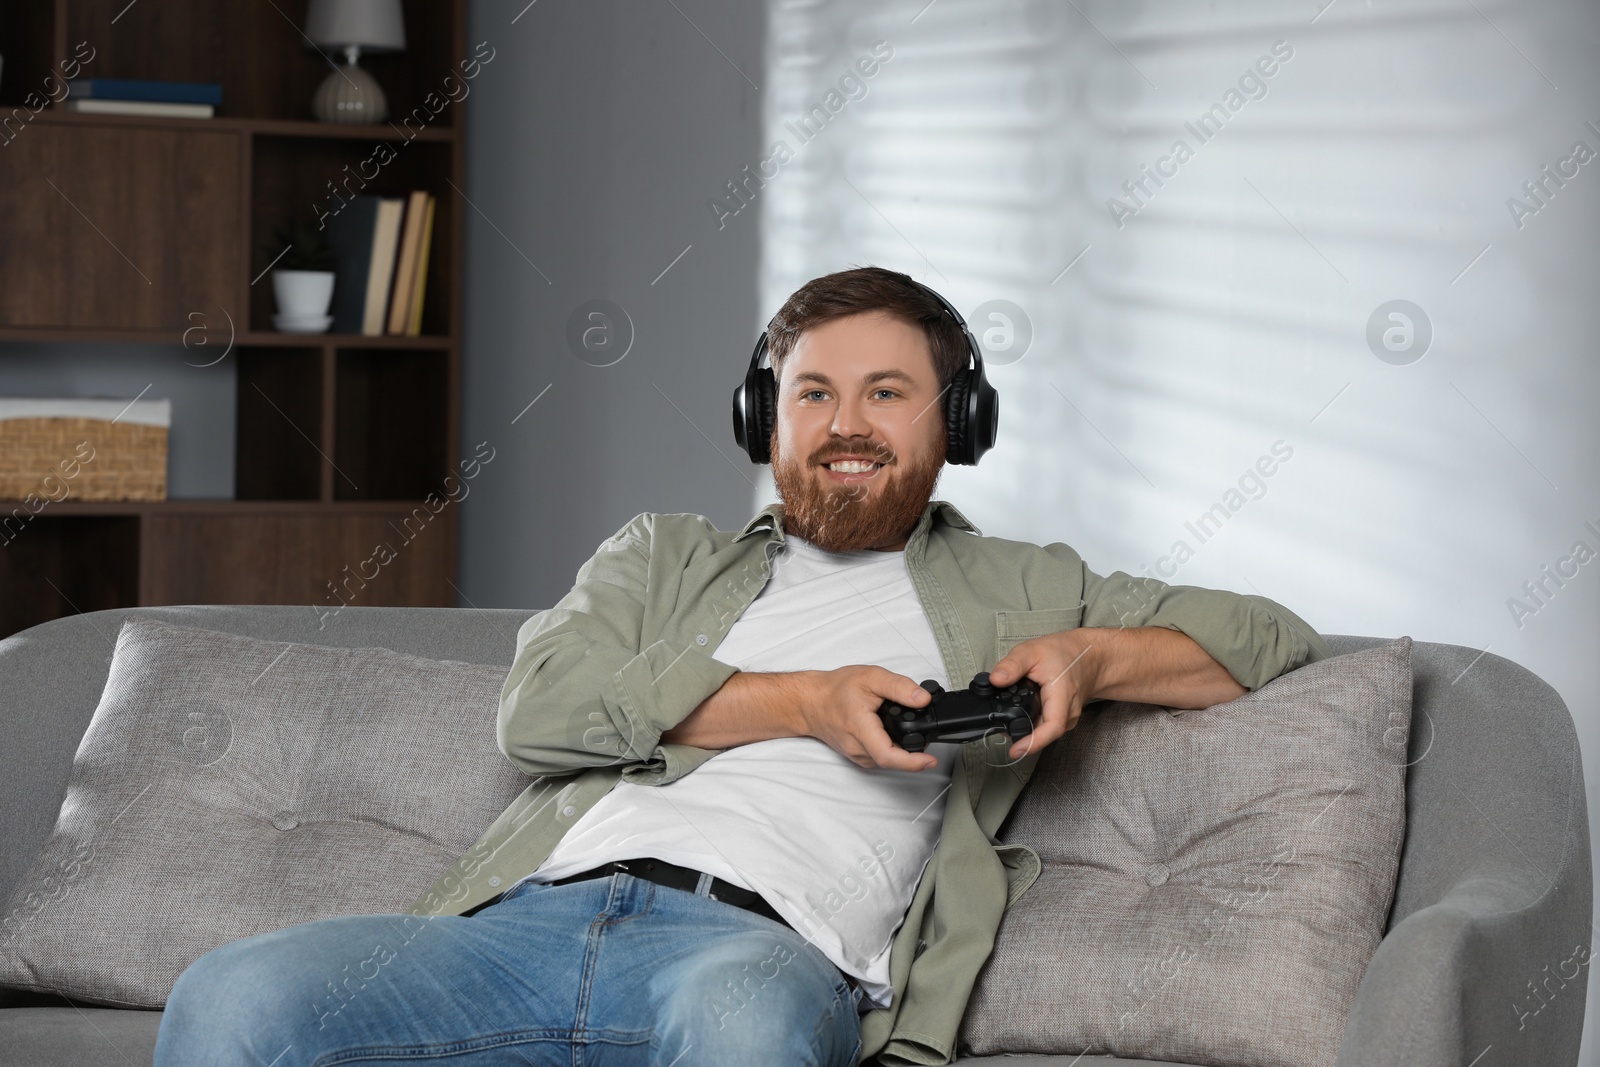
877, 451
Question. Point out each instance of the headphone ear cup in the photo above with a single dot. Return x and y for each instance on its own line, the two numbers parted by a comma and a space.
985, 424
765, 409
741, 435
956, 428
755, 407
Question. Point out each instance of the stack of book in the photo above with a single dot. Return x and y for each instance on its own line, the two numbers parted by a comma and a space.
381, 245
124, 96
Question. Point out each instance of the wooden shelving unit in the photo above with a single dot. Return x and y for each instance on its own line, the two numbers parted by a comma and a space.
124, 229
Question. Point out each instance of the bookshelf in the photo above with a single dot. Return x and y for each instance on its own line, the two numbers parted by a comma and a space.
338, 437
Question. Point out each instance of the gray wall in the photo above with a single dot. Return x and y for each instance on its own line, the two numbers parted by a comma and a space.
595, 137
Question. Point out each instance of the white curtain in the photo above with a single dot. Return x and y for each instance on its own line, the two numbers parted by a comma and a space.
1220, 388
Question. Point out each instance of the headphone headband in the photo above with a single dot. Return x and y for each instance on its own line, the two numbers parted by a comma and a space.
971, 406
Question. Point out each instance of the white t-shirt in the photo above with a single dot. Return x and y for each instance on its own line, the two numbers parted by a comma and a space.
836, 849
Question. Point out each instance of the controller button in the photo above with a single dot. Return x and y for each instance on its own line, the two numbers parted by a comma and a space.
981, 684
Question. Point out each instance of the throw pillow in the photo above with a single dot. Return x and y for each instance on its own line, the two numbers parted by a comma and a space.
1215, 880
229, 786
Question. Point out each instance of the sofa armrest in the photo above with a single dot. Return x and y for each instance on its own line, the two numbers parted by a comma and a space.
1458, 978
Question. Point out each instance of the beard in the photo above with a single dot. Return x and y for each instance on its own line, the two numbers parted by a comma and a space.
881, 510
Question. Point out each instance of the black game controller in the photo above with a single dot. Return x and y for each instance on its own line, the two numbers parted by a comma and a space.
965, 715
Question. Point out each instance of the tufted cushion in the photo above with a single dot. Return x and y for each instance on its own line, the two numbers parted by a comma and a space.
1214, 880
228, 786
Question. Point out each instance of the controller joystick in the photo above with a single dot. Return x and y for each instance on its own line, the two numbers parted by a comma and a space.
964, 715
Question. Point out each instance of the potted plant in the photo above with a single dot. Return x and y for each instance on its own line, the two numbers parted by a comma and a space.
302, 281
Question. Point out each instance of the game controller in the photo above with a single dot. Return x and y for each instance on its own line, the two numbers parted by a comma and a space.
965, 715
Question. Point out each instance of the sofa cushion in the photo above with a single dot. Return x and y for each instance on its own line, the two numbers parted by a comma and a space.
229, 786
88, 1037
1214, 881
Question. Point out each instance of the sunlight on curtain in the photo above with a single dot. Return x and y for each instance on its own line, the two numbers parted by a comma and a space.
1198, 210
1310, 286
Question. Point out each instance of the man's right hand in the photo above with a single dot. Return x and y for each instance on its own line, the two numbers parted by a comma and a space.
840, 709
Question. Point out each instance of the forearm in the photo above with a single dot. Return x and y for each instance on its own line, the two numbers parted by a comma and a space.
1155, 665
574, 700
1255, 638
749, 707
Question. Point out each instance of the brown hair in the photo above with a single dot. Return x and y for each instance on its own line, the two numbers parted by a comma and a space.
851, 292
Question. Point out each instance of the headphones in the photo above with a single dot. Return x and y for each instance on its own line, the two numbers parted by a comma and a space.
971, 406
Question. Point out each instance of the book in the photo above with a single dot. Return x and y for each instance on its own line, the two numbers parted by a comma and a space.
405, 269
170, 92
414, 329
380, 273
350, 232
141, 107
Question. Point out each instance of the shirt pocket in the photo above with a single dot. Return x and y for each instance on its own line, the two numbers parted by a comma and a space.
1014, 627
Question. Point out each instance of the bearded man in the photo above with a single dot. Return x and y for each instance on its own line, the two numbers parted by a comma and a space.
724, 859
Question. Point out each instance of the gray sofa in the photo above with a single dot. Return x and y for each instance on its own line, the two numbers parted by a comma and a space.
1494, 885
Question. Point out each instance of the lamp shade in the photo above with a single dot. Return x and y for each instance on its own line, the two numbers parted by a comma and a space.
374, 25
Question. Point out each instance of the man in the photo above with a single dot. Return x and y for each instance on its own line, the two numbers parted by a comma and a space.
723, 858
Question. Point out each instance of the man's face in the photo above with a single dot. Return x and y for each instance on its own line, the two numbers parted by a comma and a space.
860, 437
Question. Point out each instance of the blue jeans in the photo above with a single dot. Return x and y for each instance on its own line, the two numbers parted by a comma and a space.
607, 971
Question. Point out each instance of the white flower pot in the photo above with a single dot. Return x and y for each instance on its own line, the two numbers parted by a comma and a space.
303, 294
303, 299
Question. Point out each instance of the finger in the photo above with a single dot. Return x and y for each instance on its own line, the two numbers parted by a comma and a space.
1052, 718
1070, 720
1018, 663
898, 688
1047, 731
895, 758
1023, 747
890, 755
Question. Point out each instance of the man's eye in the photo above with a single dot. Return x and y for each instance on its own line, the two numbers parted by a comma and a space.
809, 393
891, 392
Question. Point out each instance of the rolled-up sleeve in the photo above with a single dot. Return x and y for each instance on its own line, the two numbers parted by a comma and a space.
1255, 638
582, 692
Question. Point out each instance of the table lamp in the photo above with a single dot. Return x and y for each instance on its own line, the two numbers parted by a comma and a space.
350, 94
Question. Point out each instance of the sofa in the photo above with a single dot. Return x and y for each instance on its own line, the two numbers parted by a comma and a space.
1494, 881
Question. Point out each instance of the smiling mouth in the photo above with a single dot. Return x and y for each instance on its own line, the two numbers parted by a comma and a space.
852, 466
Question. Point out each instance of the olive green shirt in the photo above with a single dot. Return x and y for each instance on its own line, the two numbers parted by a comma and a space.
628, 654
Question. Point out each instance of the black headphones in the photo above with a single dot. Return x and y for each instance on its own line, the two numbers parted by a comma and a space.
971, 406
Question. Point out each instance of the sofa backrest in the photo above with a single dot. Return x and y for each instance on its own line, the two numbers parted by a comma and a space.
1495, 779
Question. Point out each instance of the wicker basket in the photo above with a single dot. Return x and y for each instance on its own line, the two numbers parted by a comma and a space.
61, 457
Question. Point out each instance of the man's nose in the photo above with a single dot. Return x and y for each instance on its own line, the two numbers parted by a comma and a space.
850, 419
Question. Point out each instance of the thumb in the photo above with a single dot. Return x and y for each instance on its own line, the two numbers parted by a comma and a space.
903, 691
1007, 671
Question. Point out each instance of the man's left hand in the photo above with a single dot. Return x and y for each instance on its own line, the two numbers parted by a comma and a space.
1066, 668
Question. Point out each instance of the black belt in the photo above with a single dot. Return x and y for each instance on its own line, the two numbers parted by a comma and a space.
670, 874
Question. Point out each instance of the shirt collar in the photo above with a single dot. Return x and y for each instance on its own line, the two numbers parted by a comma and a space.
770, 518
